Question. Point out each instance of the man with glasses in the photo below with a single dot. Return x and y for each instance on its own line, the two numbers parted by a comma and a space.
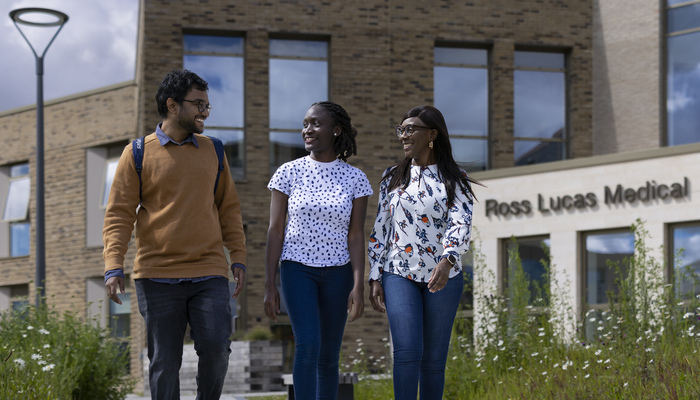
182, 226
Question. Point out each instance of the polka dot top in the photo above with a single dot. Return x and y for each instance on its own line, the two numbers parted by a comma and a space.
318, 209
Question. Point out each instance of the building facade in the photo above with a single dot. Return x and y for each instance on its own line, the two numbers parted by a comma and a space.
562, 110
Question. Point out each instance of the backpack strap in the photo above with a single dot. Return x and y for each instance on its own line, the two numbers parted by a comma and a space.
219, 147
137, 150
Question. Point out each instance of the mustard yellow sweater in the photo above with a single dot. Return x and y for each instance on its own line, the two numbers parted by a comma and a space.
181, 227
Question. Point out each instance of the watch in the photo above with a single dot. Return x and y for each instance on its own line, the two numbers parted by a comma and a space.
451, 259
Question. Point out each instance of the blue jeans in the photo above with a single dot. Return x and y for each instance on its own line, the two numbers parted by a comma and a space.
167, 309
317, 300
421, 325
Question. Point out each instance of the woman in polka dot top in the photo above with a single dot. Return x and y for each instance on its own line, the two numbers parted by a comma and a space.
321, 247
423, 227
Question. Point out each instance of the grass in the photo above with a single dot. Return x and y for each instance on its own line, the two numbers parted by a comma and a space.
646, 345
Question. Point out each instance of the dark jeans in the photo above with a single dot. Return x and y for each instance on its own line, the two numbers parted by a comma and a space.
167, 309
316, 301
421, 325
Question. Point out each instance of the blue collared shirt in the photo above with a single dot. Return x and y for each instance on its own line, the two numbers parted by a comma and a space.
119, 273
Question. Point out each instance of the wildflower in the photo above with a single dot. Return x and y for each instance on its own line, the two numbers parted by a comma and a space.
535, 354
36, 356
607, 361
587, 375
625, 385
544, 373
597, 352
592, 319
20, 362
500, 343
43, 331
495, 358
555, 365
46, 346
541, 334
29, 328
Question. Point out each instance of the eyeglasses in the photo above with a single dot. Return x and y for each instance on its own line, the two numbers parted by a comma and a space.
409, 129
201, 105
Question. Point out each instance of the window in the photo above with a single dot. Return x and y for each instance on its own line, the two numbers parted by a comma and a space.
461, 94
683, 72
15, 215
101, 164
219, 61
605, 251
298, 78
685, 242
540, 107
533, 254
14, 297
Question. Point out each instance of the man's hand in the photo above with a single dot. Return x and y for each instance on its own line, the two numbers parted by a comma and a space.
239, 277
376, 296
111, 287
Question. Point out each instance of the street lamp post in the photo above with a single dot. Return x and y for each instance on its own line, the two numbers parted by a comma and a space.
40, 246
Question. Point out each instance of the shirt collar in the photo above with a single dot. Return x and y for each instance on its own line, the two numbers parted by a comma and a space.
165, 139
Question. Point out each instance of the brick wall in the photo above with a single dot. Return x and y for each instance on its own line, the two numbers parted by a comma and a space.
381, 65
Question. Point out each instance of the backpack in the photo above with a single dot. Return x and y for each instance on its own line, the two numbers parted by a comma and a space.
137, 147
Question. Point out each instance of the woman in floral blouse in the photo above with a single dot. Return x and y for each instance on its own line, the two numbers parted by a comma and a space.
423, 227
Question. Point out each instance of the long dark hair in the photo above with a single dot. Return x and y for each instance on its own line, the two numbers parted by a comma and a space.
448, 170
344, 144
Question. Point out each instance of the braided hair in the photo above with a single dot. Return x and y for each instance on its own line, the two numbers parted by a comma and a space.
344, 144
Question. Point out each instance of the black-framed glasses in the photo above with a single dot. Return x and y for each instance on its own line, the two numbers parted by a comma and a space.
201, 105
409, 129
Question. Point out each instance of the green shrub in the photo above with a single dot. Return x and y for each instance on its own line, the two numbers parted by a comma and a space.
44, 355
645, 346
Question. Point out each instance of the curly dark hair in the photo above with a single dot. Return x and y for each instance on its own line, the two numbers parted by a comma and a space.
344, 144
448, 170
176, 85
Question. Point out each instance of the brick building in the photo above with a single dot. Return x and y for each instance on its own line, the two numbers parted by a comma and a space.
538, 94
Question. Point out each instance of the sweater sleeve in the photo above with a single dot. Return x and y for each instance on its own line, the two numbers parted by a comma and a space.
230, 217
120, 214
381, 233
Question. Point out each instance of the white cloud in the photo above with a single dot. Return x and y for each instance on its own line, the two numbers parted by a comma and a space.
96, 47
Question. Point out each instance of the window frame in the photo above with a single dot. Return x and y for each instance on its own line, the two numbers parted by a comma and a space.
275, 163
665, 114
7, 225
586, 306
238, 173
670, 270
564, 70
468, 66
504, 266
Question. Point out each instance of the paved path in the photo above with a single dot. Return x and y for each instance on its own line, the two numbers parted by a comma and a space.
242, 396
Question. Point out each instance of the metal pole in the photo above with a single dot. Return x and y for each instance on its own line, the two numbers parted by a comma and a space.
40, 230
40, 250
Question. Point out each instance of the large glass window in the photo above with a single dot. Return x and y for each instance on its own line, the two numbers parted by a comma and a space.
540, 107
607, 256
298, 78
16, 211
686, 255
683, 76
531, 255
461, 94
219, 61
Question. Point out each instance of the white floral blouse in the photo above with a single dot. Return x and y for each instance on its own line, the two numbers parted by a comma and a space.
415, 229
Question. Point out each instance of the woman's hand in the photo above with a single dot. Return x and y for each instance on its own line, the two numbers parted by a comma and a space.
356, 299
376, 296
272, 302
439, 276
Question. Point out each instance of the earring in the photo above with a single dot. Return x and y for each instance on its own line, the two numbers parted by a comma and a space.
431, 145
335, 134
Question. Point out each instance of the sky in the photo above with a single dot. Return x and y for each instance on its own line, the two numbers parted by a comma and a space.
95, 48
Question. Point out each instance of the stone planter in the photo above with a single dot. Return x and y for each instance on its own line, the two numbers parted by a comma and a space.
254, 366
